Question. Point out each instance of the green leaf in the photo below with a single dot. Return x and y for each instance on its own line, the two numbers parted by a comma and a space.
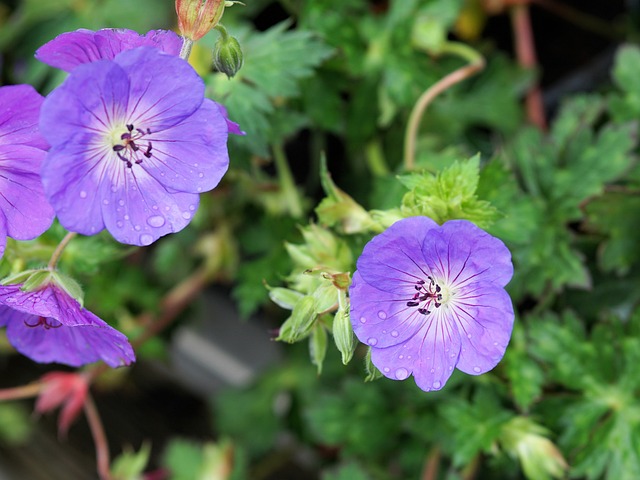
448, 195
131, 464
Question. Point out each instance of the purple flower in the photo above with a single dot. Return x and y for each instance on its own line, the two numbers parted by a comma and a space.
24, 210
71, 49
133, 143
428, 298
48, 325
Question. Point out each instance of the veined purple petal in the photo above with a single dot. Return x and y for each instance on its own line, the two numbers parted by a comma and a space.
71, 49
164, 89
92, 101
232, 126
460, 252
19, 111
26, 210
484, 315
430, 355
139, 210
192, 155
70, 175
48, 325
393, 259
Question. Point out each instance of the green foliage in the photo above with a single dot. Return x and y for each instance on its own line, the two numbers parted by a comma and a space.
130, 465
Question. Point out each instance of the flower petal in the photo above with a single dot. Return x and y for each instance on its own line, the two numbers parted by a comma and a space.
192, 155
71, 174
137, 210
93, 97
485, 317
460, 252
430, 355
393, 260
41, 303
71, 49
19, 112
381, 319
22, 200
164, 89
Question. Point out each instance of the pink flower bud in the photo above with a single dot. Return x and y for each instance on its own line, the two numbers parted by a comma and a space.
197, 17
65, 390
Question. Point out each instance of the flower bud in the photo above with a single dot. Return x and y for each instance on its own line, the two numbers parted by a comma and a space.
197, 17
301, 321
227, 54
343, 332
65, 390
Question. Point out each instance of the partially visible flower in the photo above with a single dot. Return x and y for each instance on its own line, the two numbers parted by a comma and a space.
197, 17
48, 325
429, 298
70, 49
133, 143
65, 390
24, 210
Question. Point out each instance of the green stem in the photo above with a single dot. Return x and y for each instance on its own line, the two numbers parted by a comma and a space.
475, 64
185, 50
375, 159
26, 391
287, 184
59, 249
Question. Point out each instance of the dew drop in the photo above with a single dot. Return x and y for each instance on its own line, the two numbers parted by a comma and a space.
155, 207
195, 165
156, 221
114, 189
192, 207
436, 385
199, 189
186, 215
10, 300
372, 341
408, 357
468, 335
146, 239
450, 368
382, 315
402, 373
394, 333
477, 369
121, 203
385, 369
384, 331
83, 194
126, 217
137, 228
119, 224
200, 175
400, 357
433, 370
105, 201
363, 320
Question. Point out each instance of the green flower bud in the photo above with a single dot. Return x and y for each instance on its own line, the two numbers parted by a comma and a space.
227, 53
299, 324
342, 330
284, 297
318, 346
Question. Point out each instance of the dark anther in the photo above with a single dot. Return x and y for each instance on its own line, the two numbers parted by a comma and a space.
130, 128
129, 147
420, 282
42, 322
118, 148
438, 288
413, 304
148, 152
417, 287
424, 311
437, 304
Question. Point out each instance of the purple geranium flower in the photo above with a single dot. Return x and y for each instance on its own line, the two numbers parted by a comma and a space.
48, 325
133, 143
24, 210
71, 49
428, 298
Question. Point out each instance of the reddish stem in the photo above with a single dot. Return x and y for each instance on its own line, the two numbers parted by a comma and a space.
526, 54
99, 438
17, 393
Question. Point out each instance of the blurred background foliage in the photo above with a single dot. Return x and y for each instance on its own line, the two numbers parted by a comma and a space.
325, 94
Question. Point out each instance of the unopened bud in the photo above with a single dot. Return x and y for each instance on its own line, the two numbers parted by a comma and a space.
197, 17
227, 54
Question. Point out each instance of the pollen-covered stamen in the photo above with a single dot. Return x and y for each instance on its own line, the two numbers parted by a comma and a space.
427, 294
42, 322
131, 152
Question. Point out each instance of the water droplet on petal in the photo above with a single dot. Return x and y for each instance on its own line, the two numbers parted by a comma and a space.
156, 221
372, 341
394, 333
186, 215
385, 369
10, 300
382, 315
105, 201
192, 207
199, 189
433, 371
137, 228
468, 335
146, 239
477, 369
126, 217
450, 368
400, 357
436, 385
402, 373
363, 320
83, 194
384, 331
201, 175
119, 224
